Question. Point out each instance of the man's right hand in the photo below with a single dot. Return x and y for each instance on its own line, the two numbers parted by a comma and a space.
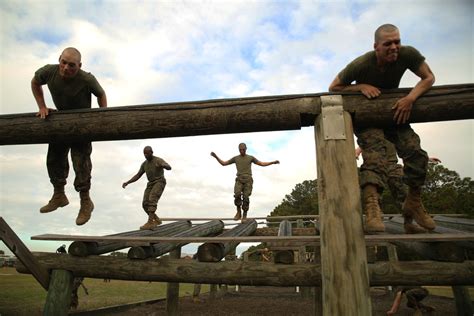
213, 154
369, 91
44, 112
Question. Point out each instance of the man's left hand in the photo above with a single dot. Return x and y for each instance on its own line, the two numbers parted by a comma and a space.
402, 110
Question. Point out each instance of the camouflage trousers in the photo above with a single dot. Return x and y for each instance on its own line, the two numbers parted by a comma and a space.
242, 191
152, 194
58, 165
379, 163
397, 187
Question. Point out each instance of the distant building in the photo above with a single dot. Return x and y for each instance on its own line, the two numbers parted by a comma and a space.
7, 261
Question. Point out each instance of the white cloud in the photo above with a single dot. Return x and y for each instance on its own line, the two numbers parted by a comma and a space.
161, 51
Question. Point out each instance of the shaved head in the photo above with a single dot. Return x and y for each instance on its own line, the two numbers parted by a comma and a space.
384, 28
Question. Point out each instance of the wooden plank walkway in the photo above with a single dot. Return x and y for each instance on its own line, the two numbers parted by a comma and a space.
306, 239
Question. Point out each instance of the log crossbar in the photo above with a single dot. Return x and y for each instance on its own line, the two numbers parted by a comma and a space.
251, 273
271, 113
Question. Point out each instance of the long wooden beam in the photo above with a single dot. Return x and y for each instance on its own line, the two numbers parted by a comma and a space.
252, 273
272, 113
309, 239
14, 243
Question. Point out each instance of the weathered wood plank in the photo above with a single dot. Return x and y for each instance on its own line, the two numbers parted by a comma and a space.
19, 249
157, 249
251, 273
343, 253
313, 239
85, 248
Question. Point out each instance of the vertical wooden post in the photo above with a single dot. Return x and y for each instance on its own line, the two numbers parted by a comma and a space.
345, 279
172, 291
213, 292
58, 299
305, 290
463, 301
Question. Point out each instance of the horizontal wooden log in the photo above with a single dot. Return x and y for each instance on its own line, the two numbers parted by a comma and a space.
439, 251
158, 120
464, 224
251, 273
84, 248
214, 252
272, 113
211, 228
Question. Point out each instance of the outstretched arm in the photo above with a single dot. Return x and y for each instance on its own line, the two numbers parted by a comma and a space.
222, 162
264, 164
165, 165
133, 179
396, 304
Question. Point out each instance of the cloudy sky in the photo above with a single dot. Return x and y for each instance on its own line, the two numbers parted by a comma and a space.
164, 51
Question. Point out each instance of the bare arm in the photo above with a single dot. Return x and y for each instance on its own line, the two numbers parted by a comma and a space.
37, 90
404, 105
102, 100
165, 165
133, 179
264, 164
222, 162
366, 89
396, 304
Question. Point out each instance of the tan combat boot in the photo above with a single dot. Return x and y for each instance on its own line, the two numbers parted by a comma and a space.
244, 217
151, 223
59, 199
413, 206
412, 228
86, 208
373, 213
238, 215
156, 219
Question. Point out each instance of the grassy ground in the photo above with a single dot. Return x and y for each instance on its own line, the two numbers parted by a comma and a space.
20, 294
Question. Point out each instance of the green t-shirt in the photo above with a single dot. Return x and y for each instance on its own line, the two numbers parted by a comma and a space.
243, 164
69, 94
364, 69
154, 169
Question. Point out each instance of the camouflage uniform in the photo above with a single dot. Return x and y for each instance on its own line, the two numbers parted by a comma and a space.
397, 188
373, 141
74, 93
156, 182
244, 181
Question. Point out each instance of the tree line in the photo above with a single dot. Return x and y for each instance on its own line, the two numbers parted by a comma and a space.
445, 192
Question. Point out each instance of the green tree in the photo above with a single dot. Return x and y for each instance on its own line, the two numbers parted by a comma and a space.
303, 200
446, 192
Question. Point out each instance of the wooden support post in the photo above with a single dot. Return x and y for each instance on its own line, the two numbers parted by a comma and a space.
213, 292
463, 301
172, 292
14, 243
343, 254
58, 300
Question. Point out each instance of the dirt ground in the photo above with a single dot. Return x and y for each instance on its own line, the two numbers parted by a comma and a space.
275, 301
